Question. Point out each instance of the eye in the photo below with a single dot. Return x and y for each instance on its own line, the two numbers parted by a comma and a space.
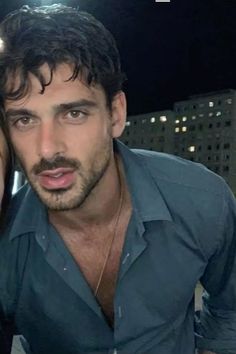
23, 120
76, 116
24, 123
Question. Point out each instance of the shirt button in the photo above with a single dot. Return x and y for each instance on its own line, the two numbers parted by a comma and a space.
65, 268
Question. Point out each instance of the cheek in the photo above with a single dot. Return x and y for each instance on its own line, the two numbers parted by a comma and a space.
24, 154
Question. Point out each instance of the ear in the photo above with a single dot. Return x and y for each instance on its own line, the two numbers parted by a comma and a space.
118, 111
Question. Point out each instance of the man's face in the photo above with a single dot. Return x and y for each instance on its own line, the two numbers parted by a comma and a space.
63, 137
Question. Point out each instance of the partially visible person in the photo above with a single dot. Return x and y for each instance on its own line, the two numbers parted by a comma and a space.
6, 182
6, 174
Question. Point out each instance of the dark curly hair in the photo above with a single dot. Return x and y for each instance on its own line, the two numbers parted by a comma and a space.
56, 34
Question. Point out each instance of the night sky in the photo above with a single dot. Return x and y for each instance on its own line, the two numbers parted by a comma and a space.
168, 50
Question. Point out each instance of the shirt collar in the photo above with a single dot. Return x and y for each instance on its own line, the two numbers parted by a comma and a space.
146, 197
30, 214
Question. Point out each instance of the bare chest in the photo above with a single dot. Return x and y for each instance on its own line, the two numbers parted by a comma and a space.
99, 259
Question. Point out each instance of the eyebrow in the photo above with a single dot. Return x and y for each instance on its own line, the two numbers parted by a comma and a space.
83, 103
11, 113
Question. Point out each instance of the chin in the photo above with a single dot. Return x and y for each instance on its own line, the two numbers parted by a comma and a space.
60, 200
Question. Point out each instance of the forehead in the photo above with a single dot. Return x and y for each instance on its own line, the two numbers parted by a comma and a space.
60, 88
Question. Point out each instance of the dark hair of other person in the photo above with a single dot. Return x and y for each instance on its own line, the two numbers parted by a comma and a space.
54, 35
8, 177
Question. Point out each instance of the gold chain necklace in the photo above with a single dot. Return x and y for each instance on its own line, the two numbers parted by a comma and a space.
118, 213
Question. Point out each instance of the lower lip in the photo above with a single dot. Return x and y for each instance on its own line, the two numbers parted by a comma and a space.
62, 182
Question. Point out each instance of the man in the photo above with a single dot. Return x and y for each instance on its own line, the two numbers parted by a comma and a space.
102, 252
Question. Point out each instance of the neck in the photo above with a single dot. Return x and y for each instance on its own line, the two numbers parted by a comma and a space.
99, 207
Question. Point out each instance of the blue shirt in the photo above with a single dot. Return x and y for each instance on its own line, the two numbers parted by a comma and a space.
181, 231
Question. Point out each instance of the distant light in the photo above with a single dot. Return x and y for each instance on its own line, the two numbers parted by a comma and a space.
152, 120
211, 114
193, 117
1, 45
127, 124
144, 120
177, 129
191, 148
177, 121
184, 129
211, 104
184, 119
163, 119
218, 113
162, 0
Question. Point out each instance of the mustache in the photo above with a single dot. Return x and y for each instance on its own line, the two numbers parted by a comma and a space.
57, 162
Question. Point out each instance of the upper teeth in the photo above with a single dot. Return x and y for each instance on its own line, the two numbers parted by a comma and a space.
58, 175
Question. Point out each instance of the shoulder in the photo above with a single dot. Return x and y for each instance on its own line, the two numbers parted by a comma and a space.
199, 201
13, 252
180, 173
17, 214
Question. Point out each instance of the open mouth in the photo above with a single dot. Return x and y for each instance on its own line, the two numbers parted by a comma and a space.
59, 178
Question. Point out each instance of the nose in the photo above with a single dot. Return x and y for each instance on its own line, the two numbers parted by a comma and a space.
50, 140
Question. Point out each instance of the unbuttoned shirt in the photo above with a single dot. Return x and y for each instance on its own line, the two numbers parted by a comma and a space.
182, 230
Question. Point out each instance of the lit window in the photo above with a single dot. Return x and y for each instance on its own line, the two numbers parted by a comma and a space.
184, 119
191, 148
177, 121
177, 129
152, 120
194, 117
163, 119
211, 114
201, 115
184, 129
128, 123
229, 101
201, 105
218, 113
211, 104
144, 120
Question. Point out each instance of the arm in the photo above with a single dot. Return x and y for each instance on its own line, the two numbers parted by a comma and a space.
216, 330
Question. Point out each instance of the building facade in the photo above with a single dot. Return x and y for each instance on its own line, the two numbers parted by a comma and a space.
152, 131
201, 129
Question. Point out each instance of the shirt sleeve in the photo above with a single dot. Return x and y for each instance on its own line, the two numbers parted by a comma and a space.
216, 325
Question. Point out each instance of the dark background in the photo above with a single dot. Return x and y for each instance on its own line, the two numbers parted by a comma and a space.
168, 50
